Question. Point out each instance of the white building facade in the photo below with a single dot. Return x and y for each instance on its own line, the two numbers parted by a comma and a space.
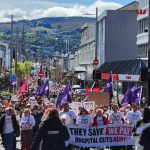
87, 47
142, 37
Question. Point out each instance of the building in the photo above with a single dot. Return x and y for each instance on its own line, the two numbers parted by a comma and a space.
142, 36
5, 56
117, 30
87, 48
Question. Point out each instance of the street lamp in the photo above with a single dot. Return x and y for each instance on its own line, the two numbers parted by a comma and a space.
95, 61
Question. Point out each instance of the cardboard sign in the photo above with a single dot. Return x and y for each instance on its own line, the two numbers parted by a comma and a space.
75, 106
100, 98
94, 89
89, 105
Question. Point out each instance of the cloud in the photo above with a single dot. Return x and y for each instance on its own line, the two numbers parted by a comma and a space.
47, 9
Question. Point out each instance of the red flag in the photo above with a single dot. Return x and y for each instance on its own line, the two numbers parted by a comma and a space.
23, 89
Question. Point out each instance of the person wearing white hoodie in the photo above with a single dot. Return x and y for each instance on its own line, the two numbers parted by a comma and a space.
27, 122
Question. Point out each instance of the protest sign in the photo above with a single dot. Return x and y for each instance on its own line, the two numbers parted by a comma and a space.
94, 89
100, 98
110, 135
32, 101
75, 106
89, 105
14, 98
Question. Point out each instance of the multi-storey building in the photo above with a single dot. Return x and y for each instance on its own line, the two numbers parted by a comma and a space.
117, 30
142, 37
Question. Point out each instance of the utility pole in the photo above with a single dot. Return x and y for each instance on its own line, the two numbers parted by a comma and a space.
16, 51
96, 34
11, 45
23, 44
148, 100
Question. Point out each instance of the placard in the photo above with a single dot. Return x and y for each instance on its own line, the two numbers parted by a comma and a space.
89, 105
94, 89
75, 106
100, 98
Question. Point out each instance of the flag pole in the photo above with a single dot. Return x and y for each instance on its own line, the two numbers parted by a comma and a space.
92, 86
112, 83
141, 94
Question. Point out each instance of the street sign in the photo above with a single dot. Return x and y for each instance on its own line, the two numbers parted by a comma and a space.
13, 78
95, 61
41, 74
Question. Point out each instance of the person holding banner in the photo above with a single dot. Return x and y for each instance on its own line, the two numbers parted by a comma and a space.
100, 119
133, 116
84, 119
116, 118
67, 116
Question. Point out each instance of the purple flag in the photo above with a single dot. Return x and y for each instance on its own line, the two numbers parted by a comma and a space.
133, 95
66, 96
127, 96
44, 90
58, 101
109, 87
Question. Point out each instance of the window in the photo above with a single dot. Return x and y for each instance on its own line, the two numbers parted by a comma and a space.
143, 51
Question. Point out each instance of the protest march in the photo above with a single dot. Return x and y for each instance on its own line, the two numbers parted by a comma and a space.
47, 116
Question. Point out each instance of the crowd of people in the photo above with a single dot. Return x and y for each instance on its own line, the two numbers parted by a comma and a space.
44, 125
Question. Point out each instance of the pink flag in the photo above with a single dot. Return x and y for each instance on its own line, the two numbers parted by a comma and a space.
24, 88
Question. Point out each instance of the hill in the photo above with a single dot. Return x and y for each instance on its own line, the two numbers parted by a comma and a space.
48, 32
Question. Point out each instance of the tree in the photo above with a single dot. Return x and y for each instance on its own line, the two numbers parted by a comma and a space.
23, 70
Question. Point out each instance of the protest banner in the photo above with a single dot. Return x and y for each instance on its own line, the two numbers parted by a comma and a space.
94, 89
100, 98
75, 106
110, 135
89, 105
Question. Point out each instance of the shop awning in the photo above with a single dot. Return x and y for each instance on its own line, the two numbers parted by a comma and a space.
127, 70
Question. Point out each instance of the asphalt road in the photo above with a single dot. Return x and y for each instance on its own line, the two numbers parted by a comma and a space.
19, 145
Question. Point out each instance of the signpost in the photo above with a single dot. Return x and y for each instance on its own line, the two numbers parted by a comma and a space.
41, 74
13, 81
95, 61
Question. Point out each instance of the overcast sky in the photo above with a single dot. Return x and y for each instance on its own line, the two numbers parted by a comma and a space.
31, 9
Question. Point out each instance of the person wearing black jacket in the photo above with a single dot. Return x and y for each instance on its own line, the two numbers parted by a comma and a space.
9, 129
145, 136
52, 132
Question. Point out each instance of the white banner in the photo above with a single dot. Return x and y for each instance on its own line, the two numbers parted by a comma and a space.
125, 77
110, 135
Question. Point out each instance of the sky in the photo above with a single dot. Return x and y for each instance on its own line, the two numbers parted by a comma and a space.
32, 9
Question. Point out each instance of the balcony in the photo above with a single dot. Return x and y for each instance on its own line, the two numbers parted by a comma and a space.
142, 38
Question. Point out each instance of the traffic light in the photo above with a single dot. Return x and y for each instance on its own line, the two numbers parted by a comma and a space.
97, 74
144, 74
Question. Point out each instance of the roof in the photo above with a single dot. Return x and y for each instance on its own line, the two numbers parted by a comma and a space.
132, 67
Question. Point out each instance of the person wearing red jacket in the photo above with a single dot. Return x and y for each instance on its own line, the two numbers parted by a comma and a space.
100, 119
